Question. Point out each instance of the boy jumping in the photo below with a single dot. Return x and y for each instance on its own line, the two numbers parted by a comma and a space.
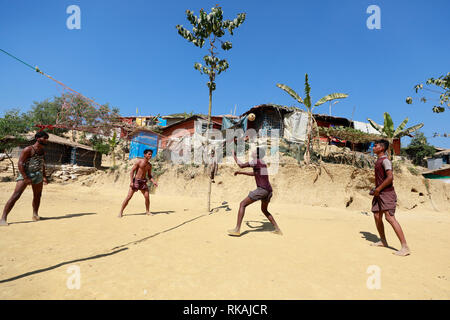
263, 191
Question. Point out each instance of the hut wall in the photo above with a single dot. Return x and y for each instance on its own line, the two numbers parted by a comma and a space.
169, 132
267, 119
85, 158
56, 153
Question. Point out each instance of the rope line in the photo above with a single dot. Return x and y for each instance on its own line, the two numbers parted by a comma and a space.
48, 76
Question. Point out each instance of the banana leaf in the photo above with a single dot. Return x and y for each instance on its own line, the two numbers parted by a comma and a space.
291, 92
400, 127
388, 128
409, 130
376, 126
331, 97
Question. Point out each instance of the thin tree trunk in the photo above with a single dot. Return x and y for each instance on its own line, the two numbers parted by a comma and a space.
12, 163
307, 157
207, 145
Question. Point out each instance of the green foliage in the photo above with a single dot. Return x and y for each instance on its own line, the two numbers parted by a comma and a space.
291, 92
331, 97
414, 171
78, 112
388, 125
310, 108
113, 141
418, 150
45, 113
388, 129
348, 133
12, 127
210, 26
13, 124
100, 145
443, 89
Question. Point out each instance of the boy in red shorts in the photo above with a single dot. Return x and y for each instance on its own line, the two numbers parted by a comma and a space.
263, 191
385, 199
142, 167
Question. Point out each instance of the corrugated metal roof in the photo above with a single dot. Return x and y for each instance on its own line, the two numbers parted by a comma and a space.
187, 119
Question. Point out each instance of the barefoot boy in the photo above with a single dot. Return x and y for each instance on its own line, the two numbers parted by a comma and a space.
263, 191
31, 171
139, 181
385, 199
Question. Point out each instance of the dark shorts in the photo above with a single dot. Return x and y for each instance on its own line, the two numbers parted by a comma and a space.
35, 177
139, 184
386, 201
260, 194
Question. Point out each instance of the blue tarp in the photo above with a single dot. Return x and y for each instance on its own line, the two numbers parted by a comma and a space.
142, 141
237, 123
162, 122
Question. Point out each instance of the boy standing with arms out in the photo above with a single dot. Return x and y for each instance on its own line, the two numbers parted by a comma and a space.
263, 191
385, 199
142, 167
31, 171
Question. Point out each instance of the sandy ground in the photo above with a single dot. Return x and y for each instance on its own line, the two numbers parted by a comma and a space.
183, 253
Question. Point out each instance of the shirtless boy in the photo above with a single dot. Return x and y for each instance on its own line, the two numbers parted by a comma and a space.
385, 199
263, 191
31, 171
138, 176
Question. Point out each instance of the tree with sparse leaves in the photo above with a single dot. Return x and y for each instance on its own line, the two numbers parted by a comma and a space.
13, 127
443, 85
210, 27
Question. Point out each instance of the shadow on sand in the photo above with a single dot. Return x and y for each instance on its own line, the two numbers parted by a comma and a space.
223, 206
27, 274
153, 213
261, 226
67, 216
373, 238
114, 250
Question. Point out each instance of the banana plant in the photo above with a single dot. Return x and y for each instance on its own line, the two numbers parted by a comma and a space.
388, 131
310, 108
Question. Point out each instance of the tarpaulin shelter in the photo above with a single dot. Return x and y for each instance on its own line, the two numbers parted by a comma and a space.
142, 140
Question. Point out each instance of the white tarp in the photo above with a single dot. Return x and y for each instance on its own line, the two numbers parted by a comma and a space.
295, 126
364, 127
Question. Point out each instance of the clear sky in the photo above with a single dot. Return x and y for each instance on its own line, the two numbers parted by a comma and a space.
128, 53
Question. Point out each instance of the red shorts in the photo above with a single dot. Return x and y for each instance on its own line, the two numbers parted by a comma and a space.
139, 184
